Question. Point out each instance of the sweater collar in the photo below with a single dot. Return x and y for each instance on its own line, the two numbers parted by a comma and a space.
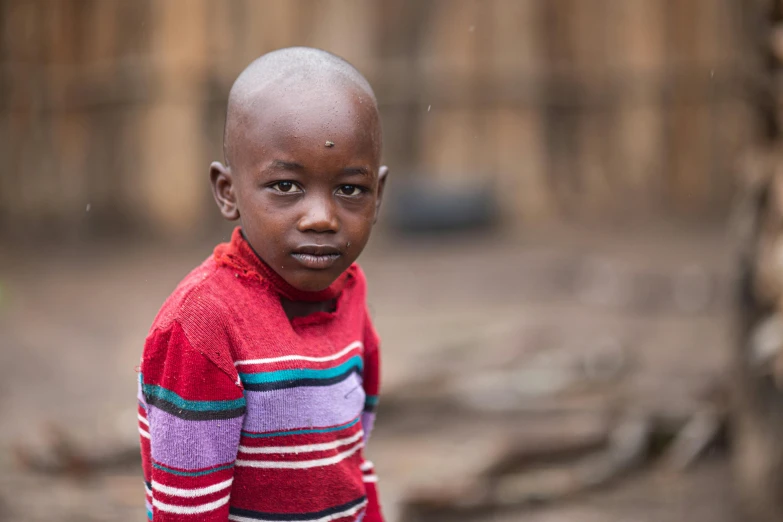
239, 255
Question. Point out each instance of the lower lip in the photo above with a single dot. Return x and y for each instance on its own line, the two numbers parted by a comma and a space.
316, 262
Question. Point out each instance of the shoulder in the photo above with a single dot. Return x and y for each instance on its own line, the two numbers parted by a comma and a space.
202, 307
199, 296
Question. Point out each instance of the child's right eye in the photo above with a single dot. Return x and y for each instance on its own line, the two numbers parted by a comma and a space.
286, 187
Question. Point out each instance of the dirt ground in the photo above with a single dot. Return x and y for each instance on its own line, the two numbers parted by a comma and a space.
72, 324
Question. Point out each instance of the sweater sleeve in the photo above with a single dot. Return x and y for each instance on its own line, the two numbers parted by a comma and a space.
371, 383
190, 418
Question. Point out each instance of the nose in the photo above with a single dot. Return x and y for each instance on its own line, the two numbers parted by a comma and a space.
319, 216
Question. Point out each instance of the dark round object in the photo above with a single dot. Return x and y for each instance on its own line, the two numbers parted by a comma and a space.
426, 207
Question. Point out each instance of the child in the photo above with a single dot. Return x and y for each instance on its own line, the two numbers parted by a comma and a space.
259, 377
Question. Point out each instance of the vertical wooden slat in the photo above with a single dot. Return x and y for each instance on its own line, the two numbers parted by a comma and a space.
588, 25
66, 138
513, 27
174, 166
400, 28
449, 132
513, 133
269, 25
355, 45
521, 157
689, 114
728, 141
448, 142
637, 64
560, 121
449, 53
689, 131
103, 27
26, 95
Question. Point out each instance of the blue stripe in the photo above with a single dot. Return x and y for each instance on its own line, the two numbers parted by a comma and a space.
303, 373
299, 432
176, 400
191, 473
149, 515
371, 400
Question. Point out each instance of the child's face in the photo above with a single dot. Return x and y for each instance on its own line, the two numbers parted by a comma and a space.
305, 182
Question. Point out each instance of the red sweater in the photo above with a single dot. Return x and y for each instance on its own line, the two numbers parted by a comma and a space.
246, 415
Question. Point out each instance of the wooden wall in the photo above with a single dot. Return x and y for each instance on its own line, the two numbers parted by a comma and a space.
111, 110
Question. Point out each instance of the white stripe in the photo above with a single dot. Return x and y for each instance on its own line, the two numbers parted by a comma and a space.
144, 433
190, 510
301, 464
348, 512
352, 346
303, 449
147, 489
191, 493
370, 478
366, 466
143, 420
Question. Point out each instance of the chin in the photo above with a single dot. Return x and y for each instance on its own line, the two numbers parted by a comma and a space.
313, 284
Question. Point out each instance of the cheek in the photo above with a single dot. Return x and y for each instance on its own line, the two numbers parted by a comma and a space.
270, 223
357, 227
265, 209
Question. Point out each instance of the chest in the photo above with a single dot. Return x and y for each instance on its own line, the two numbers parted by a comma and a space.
304, 375
294, 392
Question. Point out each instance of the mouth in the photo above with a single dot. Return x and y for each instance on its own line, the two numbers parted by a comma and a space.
316, 257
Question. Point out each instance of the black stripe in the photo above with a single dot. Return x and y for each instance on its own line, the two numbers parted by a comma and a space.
370, 408
260, 515
193, 415
266, 386
149, 484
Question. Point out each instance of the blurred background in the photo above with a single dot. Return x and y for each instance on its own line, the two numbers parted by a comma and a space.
576, 274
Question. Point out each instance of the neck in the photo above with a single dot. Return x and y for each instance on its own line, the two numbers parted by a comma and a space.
304, 308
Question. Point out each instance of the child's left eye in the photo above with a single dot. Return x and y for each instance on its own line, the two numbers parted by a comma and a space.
350, 190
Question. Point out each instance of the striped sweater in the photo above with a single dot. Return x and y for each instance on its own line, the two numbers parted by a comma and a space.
246, 415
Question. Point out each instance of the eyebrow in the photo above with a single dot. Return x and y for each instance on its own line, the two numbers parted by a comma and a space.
361, 171
286, 165
292, 165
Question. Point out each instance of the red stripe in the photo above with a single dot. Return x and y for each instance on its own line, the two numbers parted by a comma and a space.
302, 438
297, 491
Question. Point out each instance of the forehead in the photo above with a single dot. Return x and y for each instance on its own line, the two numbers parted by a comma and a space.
300, 120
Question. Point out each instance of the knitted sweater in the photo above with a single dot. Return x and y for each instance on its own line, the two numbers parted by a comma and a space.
246, 415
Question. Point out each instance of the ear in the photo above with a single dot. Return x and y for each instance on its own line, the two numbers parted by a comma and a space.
383, 173
223, 190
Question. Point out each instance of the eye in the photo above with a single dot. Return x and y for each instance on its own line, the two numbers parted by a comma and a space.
350, 190
286, 187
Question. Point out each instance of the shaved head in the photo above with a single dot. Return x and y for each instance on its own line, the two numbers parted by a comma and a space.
288, 76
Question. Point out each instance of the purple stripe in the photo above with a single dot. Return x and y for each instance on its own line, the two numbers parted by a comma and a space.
304, 406
368, 421
190, 444
149, 506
